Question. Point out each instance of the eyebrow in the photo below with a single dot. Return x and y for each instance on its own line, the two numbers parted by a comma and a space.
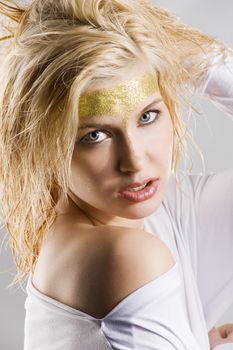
96, 125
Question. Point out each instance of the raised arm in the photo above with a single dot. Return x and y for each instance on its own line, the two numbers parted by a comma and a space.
217, 83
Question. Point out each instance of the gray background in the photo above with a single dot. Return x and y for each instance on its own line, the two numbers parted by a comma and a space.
213, 133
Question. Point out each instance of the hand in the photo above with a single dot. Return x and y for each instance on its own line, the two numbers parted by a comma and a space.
221, 335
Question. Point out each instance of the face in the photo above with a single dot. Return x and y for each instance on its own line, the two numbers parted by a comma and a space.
131, 141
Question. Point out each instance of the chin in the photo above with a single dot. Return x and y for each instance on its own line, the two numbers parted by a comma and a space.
141, 210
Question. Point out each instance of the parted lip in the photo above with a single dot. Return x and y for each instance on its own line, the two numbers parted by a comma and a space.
137, 184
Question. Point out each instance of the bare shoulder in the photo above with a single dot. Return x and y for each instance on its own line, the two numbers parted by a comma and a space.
112, 261
141, 250
136, 259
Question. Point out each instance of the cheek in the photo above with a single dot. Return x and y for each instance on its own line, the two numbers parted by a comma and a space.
82, 182
168, 131
168, 141
162, 141
88, 169
162, 138
169, 145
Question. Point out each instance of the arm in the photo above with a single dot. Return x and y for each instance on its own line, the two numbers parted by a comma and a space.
217, 83
205, 206
214, 197
211, 239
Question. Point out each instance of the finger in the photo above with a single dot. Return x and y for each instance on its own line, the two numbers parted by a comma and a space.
216, 338
214, 331
225, 329
214, 335
230, 337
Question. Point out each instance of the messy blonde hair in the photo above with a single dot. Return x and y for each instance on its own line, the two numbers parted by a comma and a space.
53, 51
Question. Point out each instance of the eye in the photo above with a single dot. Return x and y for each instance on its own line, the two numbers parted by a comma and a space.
148, 113
93, 136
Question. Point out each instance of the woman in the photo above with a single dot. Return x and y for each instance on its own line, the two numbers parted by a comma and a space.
113, 242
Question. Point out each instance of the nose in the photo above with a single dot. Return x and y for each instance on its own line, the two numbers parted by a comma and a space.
131, 155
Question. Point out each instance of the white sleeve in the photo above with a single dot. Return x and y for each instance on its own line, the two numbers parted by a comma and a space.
214, 203
217, 83
212, 241
228, 346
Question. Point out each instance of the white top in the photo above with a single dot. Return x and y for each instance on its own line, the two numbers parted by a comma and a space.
176, 310
153, 314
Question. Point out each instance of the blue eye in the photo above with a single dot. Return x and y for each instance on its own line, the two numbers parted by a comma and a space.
93, 136
89, 137
156, 112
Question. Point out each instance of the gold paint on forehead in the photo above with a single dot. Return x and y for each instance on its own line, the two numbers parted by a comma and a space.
118, 101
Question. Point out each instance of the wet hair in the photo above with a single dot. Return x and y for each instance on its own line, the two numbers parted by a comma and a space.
51, 52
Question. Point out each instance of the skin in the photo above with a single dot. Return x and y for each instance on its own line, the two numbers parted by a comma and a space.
128, 152
221, 335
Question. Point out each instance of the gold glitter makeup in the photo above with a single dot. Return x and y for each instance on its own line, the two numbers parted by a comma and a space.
118, 101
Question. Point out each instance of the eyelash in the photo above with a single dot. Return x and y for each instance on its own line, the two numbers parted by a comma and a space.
96, 131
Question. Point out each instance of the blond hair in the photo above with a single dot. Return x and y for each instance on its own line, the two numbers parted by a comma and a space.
54, 51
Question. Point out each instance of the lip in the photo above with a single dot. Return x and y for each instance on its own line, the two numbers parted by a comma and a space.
141, 195
137, 184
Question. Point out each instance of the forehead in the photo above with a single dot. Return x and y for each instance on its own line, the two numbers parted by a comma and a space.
117, 99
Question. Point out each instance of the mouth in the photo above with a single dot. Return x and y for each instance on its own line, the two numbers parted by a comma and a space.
136, 186
135, 189
140, 193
